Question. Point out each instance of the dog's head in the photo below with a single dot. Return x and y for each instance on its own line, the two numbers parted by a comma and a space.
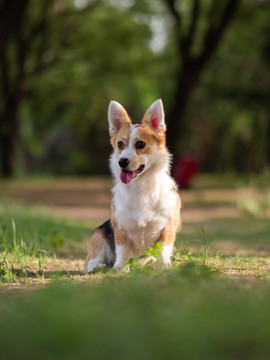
137, 147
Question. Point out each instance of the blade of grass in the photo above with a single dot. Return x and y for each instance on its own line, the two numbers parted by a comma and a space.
188, 256
204, 246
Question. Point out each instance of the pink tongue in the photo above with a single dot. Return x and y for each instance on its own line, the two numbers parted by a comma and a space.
126, 176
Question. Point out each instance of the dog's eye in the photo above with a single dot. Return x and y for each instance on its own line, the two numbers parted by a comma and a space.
121, 145
140, 145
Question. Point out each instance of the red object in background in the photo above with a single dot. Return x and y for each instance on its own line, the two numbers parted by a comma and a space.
186, 167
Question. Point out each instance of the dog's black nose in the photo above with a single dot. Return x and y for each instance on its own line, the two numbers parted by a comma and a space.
123, 163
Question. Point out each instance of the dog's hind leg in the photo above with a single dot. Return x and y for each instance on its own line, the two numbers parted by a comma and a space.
95, 251
101, 248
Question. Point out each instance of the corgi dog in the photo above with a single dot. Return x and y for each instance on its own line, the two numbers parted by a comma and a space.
145, 208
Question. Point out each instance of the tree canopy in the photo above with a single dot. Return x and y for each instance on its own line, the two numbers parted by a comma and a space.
61, 62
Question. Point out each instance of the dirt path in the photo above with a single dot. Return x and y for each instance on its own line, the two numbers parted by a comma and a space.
89, 198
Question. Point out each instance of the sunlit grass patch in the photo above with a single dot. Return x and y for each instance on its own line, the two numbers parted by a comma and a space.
17, 256
52, 232
36, 247
55, 247
241, 235
30, 236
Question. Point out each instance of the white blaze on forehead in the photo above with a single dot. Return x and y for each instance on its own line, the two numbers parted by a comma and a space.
128, 152
133, 132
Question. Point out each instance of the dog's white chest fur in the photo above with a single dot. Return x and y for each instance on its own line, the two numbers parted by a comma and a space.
145, 207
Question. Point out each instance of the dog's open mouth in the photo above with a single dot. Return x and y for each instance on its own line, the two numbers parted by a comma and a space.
127, 176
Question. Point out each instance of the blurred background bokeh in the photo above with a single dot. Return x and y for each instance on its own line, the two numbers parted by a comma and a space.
62, 61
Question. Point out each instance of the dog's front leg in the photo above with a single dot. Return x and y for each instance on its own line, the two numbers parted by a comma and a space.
122, 255
165, 255
168, 235
122, 247
122, 244
167, 239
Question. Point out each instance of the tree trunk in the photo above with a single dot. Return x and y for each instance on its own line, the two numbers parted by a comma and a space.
268, 142
176, 119
11, 80
8, 138
192, 66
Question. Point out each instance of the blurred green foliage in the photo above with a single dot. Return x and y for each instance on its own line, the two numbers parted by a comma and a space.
64, 123
91, 52
233, 96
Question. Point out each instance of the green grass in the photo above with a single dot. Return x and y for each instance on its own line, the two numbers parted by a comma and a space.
30, 236
212, 303
246, 233
17, 255
167, 314
50, 232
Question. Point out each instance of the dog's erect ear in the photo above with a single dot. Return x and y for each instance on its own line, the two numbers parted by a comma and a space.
117, 117
154, 117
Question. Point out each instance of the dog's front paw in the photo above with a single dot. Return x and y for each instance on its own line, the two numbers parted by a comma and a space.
118, 265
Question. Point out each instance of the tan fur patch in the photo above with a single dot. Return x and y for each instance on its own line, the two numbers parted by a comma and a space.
122, 135
150, 138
